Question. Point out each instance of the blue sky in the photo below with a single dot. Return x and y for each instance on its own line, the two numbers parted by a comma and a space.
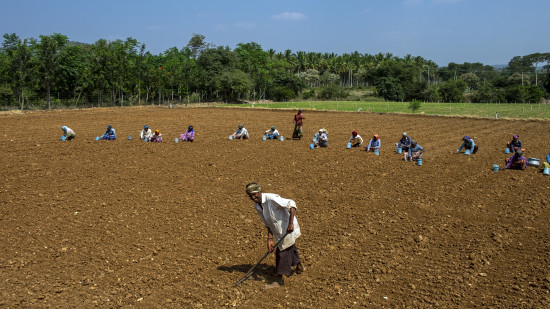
486, 31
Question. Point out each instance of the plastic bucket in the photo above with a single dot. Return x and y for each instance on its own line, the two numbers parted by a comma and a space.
399, 150
311, 146
281, 138
546, 171
176, 140
129, 137
264, 137
348, 146
63, 138
97, 138
377, 152
506, 150
418, 161
230, 137
495, 167
467, 152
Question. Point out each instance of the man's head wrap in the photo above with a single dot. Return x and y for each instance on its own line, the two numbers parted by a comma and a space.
252, 188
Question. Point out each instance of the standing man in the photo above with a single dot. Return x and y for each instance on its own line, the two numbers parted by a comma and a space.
298, 122
278, 216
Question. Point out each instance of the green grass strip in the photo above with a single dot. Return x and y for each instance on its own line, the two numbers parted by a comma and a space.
484, 110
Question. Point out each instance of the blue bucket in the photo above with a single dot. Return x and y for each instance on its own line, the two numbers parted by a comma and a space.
348, 146
377, 152
419, 162
129, 137
311, 146
176, 140
264, 137
230, 137
496, 167
97, 138
467, 152
281, 138
399, 150
546, 171
506, 150
63, 138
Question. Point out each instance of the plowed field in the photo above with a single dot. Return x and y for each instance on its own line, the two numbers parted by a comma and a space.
126, 223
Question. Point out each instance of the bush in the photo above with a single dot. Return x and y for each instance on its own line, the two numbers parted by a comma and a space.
332, 92
281, 94
414, 105
308, 94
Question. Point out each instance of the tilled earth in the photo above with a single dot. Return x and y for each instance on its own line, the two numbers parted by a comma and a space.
126, 223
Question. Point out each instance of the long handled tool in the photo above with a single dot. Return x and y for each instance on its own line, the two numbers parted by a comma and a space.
249, 273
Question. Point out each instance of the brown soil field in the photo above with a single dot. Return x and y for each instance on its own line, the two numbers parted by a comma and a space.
125, 223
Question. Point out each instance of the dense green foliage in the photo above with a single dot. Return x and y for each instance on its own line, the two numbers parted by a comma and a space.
53, 71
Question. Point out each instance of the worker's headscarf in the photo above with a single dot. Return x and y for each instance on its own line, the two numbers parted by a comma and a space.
64, 128
376, 136
157, 132
190, 129
466, 138
354, 133
516, 136
252, 188
241, 125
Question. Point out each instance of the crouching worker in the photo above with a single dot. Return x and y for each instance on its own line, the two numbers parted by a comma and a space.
404, 143
374, 143
415, 152
515, 144
467, 144
109, 133
356, 140
516, 161
156, 137
272, 133
68, 133
241, 132
321, 138
188, 135
146, 133
279, 217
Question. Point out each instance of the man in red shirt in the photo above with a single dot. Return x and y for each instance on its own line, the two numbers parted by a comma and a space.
298, 122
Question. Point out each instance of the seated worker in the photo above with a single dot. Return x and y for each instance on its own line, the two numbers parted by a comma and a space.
109, 133
374, 143
68, 133
146, 133
467, 143
272, 133
547, 163
156, 137
356, 140
321, 138
241, 132
404, 143
415, 152
515, 144
516, 161
188, 135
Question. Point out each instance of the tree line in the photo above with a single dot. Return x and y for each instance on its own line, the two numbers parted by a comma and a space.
54, 71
